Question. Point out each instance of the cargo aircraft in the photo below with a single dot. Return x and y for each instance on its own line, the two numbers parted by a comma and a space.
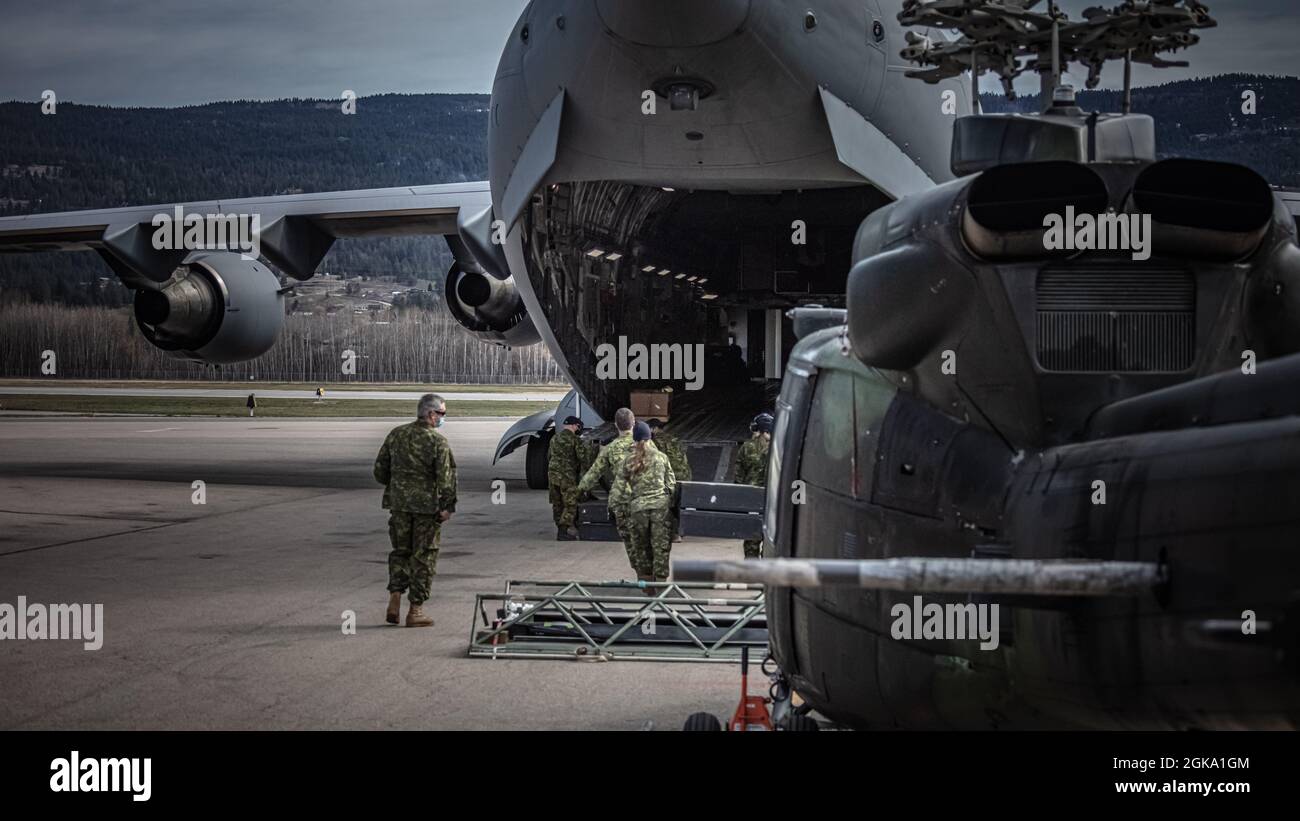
672, 172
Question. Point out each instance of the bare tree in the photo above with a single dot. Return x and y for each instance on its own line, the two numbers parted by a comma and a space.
411, 345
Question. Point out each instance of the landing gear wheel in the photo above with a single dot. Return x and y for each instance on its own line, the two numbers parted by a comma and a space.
702, 723
536, 462
801, 724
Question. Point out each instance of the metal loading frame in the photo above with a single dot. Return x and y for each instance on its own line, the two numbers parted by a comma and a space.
580, 620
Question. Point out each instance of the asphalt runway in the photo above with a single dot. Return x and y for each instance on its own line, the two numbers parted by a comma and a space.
240, 393
228, 615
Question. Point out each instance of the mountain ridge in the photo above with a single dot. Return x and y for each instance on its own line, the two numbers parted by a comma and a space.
90, 156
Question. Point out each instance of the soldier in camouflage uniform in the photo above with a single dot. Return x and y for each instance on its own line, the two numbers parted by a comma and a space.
603, 470
587, 452
418, 472
567, 453
671, 447
751, 468
643, 498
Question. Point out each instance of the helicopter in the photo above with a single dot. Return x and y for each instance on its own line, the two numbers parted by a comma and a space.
1014, 485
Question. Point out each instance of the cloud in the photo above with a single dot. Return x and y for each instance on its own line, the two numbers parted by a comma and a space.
147, 53
178, 52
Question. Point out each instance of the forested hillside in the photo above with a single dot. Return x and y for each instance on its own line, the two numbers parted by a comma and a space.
98, 157
1204, 119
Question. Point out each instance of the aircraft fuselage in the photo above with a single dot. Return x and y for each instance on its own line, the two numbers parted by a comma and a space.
669, 171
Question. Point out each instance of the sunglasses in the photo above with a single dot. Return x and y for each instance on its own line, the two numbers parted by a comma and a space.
441, 412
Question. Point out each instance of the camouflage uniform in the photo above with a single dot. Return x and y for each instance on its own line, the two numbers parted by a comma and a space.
602, 470
588, 450
566, 455
418, 472
671, 447
751, 469
644, 502
607, 463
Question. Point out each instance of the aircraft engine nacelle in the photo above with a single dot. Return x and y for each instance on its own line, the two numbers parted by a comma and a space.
489, 307
216, 308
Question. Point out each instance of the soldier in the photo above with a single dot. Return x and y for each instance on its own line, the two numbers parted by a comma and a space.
418, 472
642, 498
588, 450
669, 446
251, 403
751, 468
567, 453
602, 471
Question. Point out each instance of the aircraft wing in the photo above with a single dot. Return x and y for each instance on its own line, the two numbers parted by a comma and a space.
296, 230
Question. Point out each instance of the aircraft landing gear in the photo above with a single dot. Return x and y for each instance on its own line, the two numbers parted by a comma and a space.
786, 715
800, 723
776, 711
780, 693
702, 723
537, 462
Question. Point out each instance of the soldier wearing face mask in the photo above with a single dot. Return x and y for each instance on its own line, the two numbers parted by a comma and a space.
418, 472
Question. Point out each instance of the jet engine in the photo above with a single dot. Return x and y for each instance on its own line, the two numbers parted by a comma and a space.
489, 307
217, 307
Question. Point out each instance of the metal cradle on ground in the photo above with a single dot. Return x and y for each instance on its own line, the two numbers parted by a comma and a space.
619, 620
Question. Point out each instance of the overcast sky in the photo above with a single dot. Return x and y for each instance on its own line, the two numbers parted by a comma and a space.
177, 52
1253, 36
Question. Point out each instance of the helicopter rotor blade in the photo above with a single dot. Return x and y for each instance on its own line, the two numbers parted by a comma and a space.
1036, 577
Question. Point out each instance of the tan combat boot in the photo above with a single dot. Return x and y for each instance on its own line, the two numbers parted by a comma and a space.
415, 617
394, 615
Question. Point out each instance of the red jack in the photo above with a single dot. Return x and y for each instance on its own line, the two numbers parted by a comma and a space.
751, 713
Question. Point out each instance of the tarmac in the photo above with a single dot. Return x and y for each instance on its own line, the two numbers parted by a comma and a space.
229, 614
